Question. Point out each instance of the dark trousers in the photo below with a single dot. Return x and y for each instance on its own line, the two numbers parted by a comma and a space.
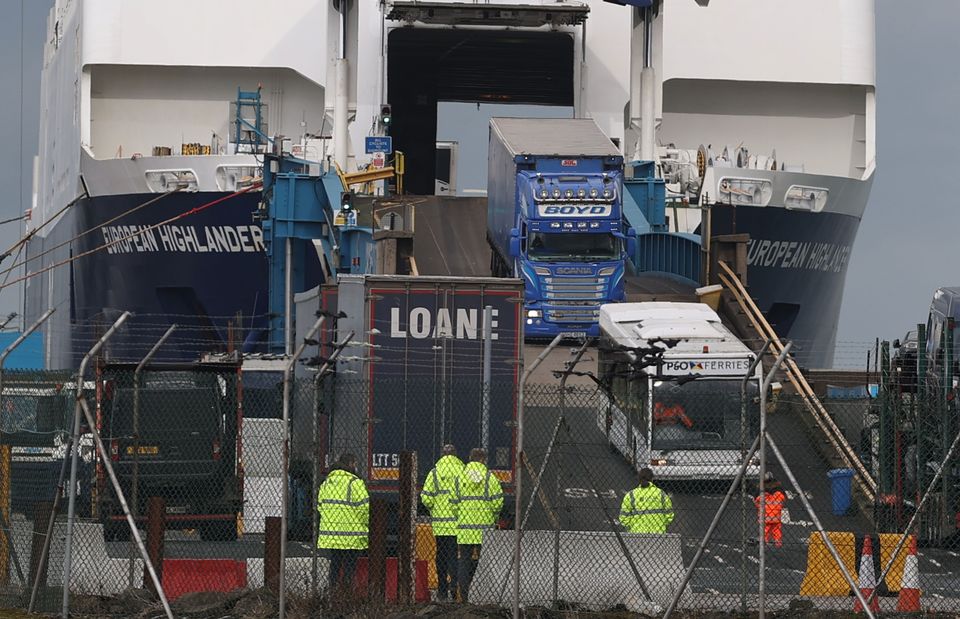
467, 567
345, 560
446, 561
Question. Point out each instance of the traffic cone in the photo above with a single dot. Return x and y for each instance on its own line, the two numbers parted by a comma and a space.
868, 578
909, 600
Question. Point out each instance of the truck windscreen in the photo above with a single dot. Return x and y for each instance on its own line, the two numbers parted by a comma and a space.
572, 246
700, 414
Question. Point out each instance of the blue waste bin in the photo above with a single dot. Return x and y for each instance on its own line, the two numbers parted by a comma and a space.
841, 490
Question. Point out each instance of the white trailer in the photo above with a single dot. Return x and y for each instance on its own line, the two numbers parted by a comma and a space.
674, 375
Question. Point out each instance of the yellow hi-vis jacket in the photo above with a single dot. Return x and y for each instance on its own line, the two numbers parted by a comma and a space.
344, 507
477, 501
646, 510
437, 492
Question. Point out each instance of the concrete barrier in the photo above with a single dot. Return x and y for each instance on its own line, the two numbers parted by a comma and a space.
888, 542
823, 576
591, 570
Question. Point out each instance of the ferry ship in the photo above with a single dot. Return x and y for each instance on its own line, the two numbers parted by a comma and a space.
765, 112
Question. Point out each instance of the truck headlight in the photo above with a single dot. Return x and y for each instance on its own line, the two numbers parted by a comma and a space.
606, 271
541, 270
534, 313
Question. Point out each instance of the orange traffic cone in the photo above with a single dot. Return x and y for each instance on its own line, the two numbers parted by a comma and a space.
909, 601
868, 578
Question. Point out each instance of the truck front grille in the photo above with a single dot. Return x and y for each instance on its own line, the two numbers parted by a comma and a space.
574, 288
570, 314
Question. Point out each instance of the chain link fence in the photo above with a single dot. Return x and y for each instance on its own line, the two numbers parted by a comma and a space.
197, 452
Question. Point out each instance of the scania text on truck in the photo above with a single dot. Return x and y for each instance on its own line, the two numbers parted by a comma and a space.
673, 373
554, 220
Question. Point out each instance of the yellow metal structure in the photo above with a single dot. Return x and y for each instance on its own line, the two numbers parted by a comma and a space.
366, 176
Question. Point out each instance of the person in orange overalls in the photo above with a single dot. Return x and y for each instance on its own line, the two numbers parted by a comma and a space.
670, 415
770, 507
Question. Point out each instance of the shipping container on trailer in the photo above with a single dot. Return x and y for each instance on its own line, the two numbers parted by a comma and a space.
413, 380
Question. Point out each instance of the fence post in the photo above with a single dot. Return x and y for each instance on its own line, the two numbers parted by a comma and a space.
744, 504
271, 554
518, 472
406, 523
43, 511
763, 471
285, 485
377, 553
44, 546
115, 482
156, 527
135, 482
6, 547
487, 371
315, 486
74, 455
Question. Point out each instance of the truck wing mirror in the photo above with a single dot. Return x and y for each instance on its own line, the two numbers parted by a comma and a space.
514, 247
632, 247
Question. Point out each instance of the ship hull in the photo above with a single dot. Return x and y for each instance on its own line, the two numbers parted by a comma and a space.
797, 266
205, 272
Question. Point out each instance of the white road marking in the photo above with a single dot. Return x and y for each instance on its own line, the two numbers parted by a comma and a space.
934, 561
754, 559
719, 559
712, 591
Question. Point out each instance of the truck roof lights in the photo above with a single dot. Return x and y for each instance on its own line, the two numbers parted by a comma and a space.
569, 193
556, 194
607, 193
582, 193
593, 192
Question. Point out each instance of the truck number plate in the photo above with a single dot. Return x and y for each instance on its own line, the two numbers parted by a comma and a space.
145, 450
579, 334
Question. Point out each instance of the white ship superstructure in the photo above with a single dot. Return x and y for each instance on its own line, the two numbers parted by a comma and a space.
125, 82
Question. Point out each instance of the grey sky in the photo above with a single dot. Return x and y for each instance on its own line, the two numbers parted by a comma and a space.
18, 134
906, 244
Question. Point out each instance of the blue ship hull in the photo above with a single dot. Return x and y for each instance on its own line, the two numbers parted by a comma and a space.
207, 273
797, 266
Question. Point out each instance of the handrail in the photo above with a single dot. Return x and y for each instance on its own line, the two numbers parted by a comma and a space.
795, 376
